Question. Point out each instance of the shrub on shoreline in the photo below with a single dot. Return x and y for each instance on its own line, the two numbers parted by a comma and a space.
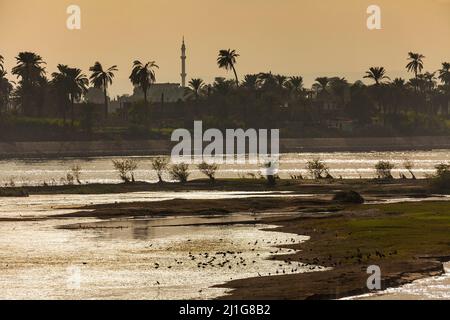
125, 169
160, 165
208, 170
384, 170
317, 168
180, 172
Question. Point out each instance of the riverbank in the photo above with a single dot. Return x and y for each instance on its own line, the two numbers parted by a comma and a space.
368, 187
61, 149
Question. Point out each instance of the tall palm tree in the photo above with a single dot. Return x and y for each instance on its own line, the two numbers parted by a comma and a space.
73, 83
195, 86
227, 60
78, 87
322, 83
60, 83
143, 75
377, 74
101, 79
415, 63
30, 69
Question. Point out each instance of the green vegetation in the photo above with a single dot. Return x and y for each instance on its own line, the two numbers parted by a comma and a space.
400, 231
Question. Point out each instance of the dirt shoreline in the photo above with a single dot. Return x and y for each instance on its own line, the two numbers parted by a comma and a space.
368, 187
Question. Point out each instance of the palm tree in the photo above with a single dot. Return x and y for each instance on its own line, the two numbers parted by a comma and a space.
60, 83
322, 83
227, 61
72, 83
101, 79
6, 88
340, 88
415, 63
251, 81
281, 80
295, 84
397, 90
143, 75
444, 73
30, 70
78, 86
378, 74
195, 86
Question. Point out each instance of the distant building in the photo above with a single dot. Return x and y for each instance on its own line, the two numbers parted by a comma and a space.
160, 93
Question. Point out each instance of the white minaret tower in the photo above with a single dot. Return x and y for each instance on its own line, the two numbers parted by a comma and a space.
183, 65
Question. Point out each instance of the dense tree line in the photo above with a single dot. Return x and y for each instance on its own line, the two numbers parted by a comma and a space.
330, 106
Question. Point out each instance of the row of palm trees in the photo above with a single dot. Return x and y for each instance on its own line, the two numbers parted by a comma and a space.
69, 83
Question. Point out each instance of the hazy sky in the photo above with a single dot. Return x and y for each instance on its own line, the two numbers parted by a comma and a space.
294, 37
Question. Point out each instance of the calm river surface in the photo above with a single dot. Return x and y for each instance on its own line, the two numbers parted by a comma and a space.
347, 165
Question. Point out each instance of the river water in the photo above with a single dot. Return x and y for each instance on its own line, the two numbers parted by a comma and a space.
345, 164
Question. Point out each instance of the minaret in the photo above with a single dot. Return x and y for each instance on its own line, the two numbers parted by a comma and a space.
183, 65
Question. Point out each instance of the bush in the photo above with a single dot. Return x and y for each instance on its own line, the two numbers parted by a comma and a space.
348, 197
317, 168
441, 181
208, 170
126, 169
160, 165
441, 169
384, 170
76, 173
180, 172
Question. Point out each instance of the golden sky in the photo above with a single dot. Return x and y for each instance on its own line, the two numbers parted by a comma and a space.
294, 37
